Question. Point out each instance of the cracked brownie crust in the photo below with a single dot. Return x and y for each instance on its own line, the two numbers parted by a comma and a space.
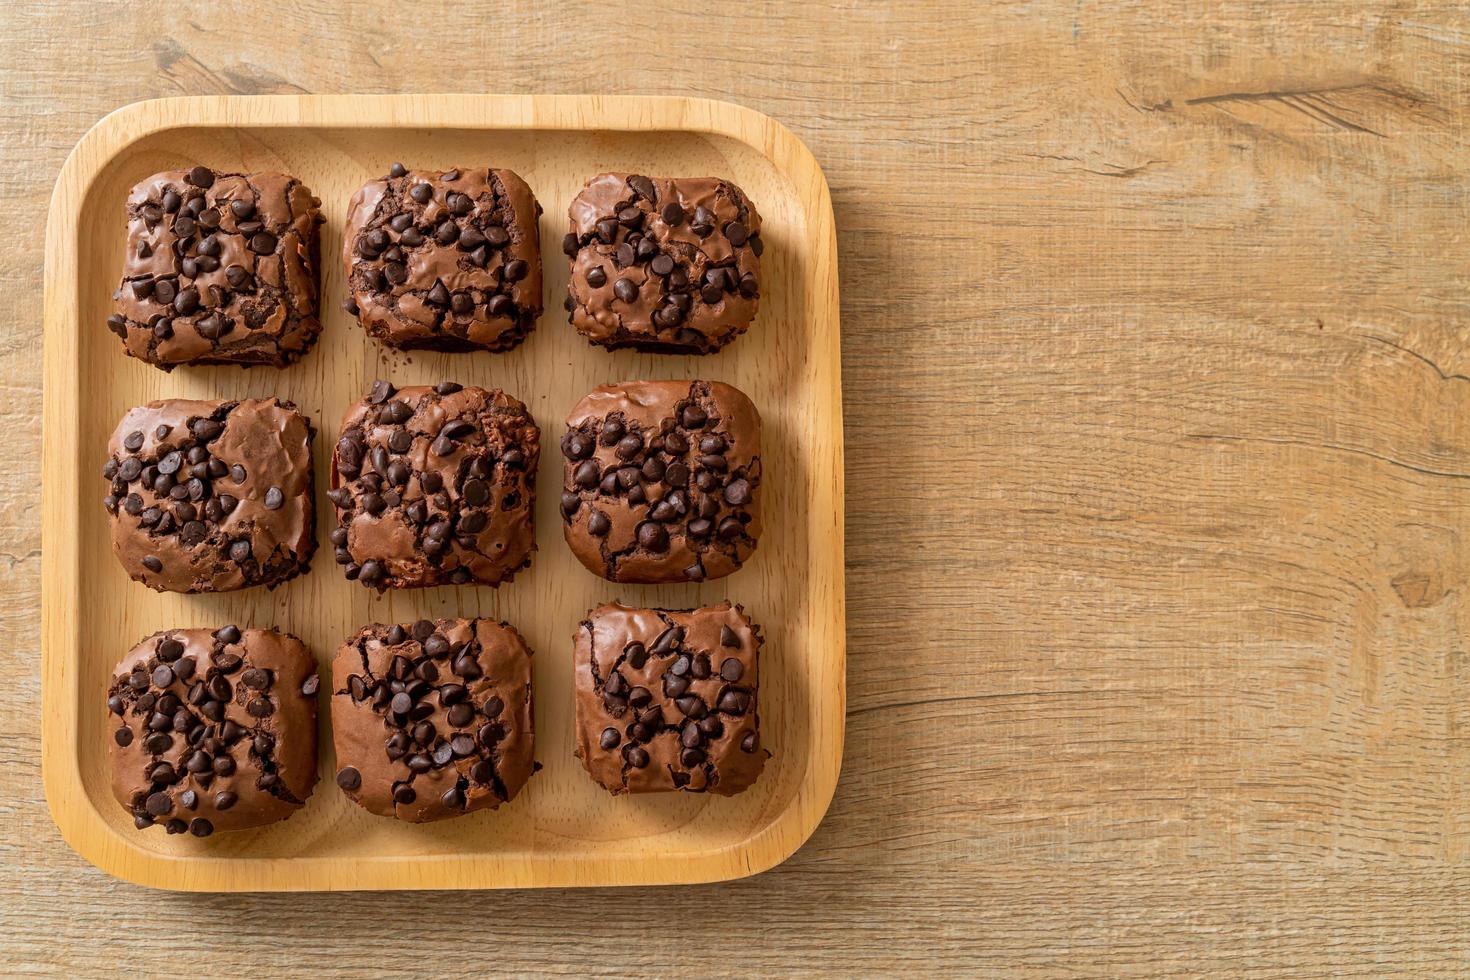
663, 265
661, 480
667, 699
435, 486
433, 719
213, 730
444, 261
211, 496
219, 268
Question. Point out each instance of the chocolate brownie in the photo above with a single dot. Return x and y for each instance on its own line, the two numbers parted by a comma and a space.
663, 265
444, 261
214, 730
435, 486
661, 480
220, 268
211, 496
666, 699
433, 719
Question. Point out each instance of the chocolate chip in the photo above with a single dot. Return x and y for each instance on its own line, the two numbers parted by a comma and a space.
692, 706
653, 537
734, 702
738, 492
421, 193
672, 213
642, 187
200, 177
625, 290
662, 265
187, 301
629, 446
274, 498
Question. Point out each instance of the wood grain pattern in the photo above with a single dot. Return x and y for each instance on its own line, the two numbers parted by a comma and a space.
564, 829
1172, 386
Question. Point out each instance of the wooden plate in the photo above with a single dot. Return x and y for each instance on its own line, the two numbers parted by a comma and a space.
562, 830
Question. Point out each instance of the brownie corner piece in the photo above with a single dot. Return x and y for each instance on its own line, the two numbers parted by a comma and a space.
664, 265
435, 486
213, 730
662, 481
219, 268
668, 699
211, 496
433, 719
447, 261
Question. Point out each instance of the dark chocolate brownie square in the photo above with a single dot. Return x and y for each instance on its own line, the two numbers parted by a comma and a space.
667, 699
444, 261
211, 496
663, 265
433, 719
435, 486
220, 268
662, 480
213, 730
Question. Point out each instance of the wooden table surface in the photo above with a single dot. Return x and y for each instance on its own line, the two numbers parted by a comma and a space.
1156, 378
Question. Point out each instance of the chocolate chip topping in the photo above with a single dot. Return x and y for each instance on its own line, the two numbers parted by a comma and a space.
663, 265
211, 496
186, 743
664, 704
435, 486
219, 268
446, 261
433, 719
661, 480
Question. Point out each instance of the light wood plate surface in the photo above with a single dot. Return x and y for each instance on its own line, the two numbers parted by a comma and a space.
562, 829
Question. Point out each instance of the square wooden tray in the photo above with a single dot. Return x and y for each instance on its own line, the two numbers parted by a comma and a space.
562, 830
